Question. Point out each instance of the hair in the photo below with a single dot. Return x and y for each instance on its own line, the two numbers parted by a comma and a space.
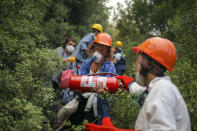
150, 65
107, 56
68, 39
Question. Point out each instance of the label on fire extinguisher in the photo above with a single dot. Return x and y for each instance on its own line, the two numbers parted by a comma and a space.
90, 81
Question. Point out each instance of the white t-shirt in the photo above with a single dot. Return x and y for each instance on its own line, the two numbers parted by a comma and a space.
164, 108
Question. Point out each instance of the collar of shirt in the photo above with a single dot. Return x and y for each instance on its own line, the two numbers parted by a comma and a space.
152, 83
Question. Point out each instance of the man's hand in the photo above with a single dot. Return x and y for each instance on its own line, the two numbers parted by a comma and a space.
100, 88
65, 60
69, 59
126, 80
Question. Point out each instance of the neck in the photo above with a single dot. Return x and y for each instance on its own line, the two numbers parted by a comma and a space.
67, 53
96, 66
149, 78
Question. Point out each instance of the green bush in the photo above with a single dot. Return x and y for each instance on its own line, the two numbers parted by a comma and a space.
20, 115
184, 77
123, 111
27, 95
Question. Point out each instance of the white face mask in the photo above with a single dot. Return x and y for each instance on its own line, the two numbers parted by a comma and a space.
139, 78
70, 48
97, 57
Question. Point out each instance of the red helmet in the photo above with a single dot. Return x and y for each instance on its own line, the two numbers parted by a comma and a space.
160, 49
104, 39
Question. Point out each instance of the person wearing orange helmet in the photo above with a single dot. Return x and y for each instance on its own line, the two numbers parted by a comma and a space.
162, 106
100, 50
90, 103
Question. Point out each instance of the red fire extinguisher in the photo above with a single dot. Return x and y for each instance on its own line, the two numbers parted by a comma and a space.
87, 83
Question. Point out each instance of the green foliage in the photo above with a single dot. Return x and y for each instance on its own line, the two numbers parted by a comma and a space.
18, 114
26, 26
57, 32
20, 29
144, 18
123, 111
55, 24
86, 11
184, 76
66, 18
27, 94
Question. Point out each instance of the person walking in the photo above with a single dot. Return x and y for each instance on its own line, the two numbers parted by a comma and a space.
91, 107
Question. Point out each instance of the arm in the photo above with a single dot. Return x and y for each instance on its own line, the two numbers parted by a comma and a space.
135, 88
82, 47
86, 41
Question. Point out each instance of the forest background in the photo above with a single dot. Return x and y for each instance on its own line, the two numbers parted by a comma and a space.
31, 30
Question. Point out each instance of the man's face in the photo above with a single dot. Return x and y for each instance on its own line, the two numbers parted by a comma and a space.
137, 68
138, 77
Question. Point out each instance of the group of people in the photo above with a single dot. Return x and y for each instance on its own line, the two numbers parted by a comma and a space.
162, 106
93, 54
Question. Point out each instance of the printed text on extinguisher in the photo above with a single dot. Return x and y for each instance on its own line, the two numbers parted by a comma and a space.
90, 81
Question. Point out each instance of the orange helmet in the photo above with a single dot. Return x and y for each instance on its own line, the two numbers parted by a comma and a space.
104, 39
161, 50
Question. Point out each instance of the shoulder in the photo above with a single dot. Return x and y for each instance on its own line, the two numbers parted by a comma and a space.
165, 85
60, 51
60, 48
162, 89
109, 66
